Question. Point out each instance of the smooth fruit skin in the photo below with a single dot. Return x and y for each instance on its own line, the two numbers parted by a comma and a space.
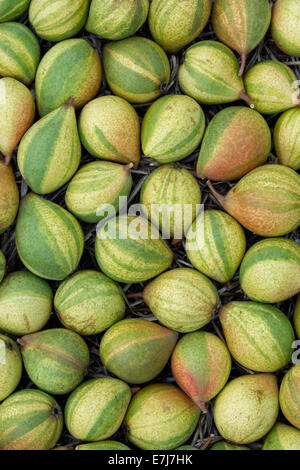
10, 366
103, 445
223, 445
270, 270
19, 52
96, 409
25, 303
136, 350
258, 336
136, 69
117, 19
88, 302
182, 299
109, 129
161, 417
272, 86
129, 249
287, 138
17, 113
58, 20
241, 24
12, 9
30, 420
201, 365
216, 244
55, 359
50, 151
172, 128
237, 140
197, 74
289, 396
285, 26
297, 317
70, 69
173, 25
9, 196
265, 201
247, 408
49, 239
282, 437
171, 199
95, 187
2, 265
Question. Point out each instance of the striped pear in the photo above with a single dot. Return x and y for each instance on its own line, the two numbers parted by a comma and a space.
272, 86
96, 409
70, 69
216, 244
55, 359
9, 196
88, 302
115, 20
282, 437
285, 26
129, 249
19, 52
17, 113
297, 317
103, 445
161, 417
136, 69
30, 420
12, 9
136, 350
171, 198
10, 367
59, 19
237, 140
209, 74
287, 138
2, 265
289, 396
266, 201
174, 24
172, 128
270, 270
25, 303
223, 445
182, 299
247, 408
95, 187
49, 239
258, 336
50, 151
241, 24
201, 365
110, 129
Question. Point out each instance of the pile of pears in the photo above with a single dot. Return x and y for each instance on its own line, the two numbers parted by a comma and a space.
114, 118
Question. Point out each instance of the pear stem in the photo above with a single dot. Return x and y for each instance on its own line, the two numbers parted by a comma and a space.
207, 443
245, 97
7, 158
243, 63
218, 196
128, 167
201, 405
136, 295
70, 102
175, 241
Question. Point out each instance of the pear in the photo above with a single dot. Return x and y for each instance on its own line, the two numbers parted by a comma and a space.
282, 437
289, 396
241, 24
287, 138
265, 201
17, 111
285, 26
247, 408
9, 196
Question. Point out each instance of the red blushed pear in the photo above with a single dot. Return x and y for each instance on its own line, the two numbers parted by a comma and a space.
17, 111
201, 365
265, 201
